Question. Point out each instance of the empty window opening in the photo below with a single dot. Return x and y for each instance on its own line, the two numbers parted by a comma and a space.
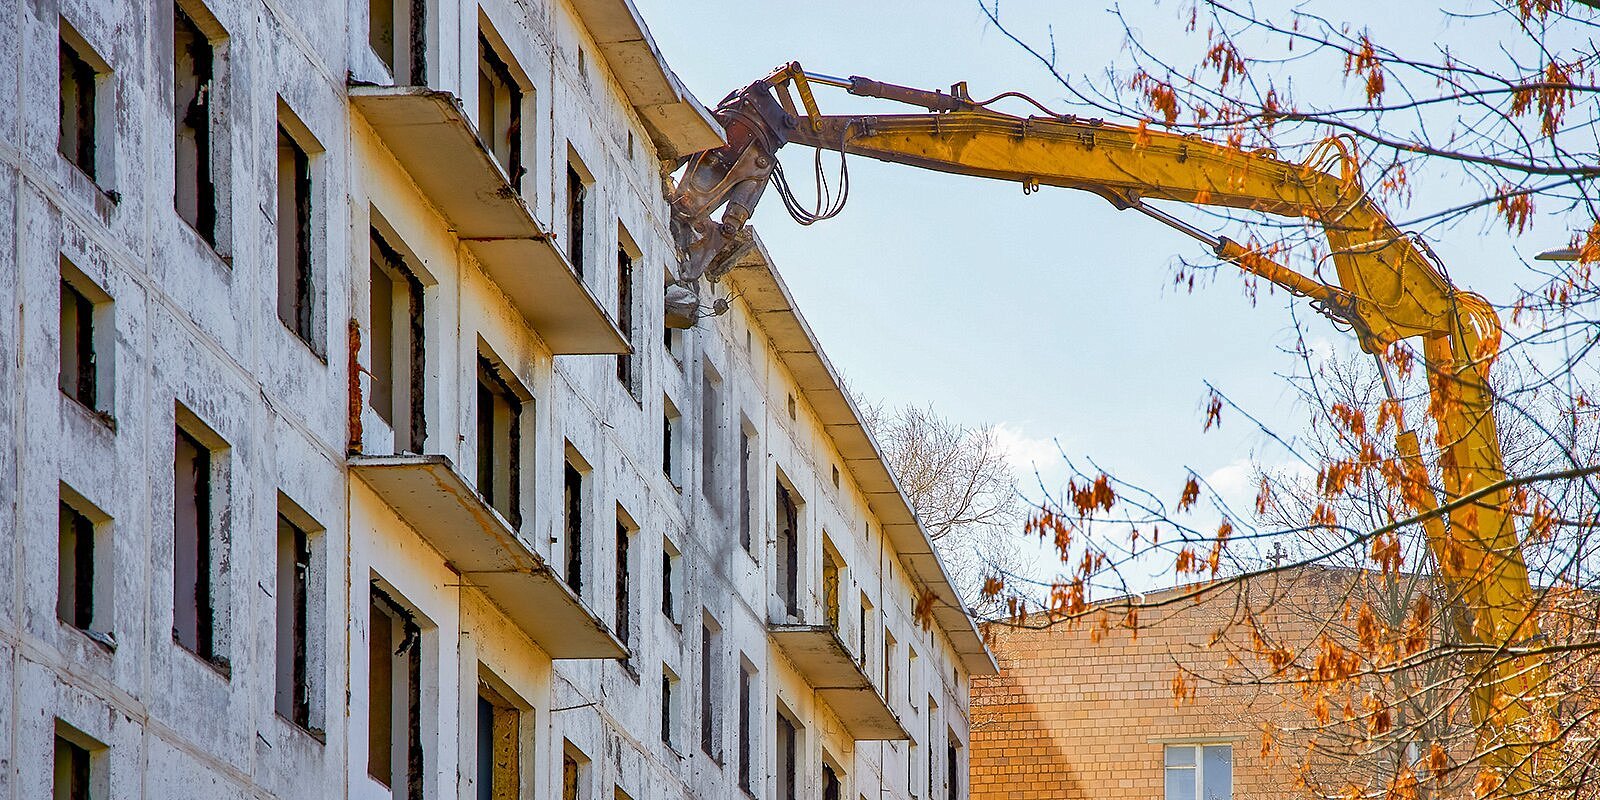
788, 547
572, 505
86, 340
199, 548
394, 706
194, 109
952, 766
626, 366
624, 579
933, 716
832, 789
77, 346
711, 435
831, 569
710, 690
747, 715
84, 566
669, 707
836, 477
792, 407
864, 610
1199, 771
75, 581
398, 344
889, 655
81, 76
672, 340
785, 744
79, 771
913, 678
295, 287
578, 186
747, 500
499, 746
671, 436
574, 773
499, 108
500, 440
669, 589
397, 33
295, 605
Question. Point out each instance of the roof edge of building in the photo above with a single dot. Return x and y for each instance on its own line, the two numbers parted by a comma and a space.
678, 123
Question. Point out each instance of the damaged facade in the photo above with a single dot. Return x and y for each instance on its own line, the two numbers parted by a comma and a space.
347, 454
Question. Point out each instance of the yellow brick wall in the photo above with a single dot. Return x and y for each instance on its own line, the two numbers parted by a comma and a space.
1072, 717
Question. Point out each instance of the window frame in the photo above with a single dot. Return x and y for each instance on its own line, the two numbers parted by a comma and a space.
580, 185
407, 753
92, 342
496, 66
98, 557
1196, 768
202, 119
309, 608
628, 258
92, 78
406, 377
788, 512
213, 540
622, 580
574, 511
304, 317
501, 465
407, 65
672, 443
88, 768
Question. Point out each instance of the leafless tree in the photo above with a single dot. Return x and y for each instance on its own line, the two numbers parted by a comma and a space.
1386, 678
962, 486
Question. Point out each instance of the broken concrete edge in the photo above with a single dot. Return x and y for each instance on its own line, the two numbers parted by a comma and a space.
772, 305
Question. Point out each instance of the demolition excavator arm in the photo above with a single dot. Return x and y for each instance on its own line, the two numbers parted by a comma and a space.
1388, 288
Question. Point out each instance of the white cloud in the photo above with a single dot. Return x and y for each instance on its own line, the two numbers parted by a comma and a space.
1235, 482
1022, 450
1034, 460
1238, 481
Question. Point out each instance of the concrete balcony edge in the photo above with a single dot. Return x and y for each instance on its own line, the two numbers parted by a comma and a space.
437, 145
827, 666
432, 497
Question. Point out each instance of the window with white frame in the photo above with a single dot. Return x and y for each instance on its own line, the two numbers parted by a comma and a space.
1199, 771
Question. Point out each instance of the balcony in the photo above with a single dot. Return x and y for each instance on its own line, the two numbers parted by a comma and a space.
435, 500
825, 663
432, 139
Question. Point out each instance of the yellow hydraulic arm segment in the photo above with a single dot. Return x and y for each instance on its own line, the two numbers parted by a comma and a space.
1387, 290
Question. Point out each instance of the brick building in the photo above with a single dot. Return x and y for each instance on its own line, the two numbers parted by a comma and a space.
344, 452
1088, 710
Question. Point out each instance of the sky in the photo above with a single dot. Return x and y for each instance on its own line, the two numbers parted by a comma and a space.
1052, 316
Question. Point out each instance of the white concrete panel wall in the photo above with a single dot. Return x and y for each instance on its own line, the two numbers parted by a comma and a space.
196, 327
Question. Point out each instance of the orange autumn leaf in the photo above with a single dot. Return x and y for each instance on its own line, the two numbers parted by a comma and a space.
1191, 493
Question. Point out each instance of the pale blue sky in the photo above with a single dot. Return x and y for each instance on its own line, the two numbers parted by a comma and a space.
1052, 314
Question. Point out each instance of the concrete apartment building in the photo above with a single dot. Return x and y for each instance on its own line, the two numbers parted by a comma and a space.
346, 454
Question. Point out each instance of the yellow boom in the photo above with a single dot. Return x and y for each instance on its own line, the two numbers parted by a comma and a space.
1387, 290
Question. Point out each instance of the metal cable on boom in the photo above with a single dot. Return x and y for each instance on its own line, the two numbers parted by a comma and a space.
826, 206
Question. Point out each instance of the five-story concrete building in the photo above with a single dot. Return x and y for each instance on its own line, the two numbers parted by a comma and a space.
344, 451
